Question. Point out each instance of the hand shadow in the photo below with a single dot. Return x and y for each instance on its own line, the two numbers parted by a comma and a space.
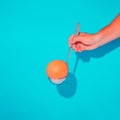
68, 88
85, 56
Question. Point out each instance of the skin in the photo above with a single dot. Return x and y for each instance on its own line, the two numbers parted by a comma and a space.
86, 41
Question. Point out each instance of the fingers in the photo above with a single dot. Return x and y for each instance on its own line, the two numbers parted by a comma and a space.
75, 43
79, 38
77, 47
73, 39
80, 47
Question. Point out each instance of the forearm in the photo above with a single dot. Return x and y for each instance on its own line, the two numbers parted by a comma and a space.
110, 32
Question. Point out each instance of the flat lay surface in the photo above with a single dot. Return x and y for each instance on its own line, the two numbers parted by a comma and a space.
32, 34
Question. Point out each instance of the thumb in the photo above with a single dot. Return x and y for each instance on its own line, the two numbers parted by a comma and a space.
71, 40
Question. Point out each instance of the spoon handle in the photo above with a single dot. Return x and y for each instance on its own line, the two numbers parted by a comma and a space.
76, 34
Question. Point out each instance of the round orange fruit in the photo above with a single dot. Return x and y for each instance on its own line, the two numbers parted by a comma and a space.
57, 69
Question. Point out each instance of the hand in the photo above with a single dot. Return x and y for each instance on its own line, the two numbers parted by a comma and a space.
84, 41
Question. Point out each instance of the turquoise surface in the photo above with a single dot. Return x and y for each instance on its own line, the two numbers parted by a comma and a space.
35, 32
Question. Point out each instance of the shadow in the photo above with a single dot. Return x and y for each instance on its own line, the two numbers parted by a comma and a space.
85, 56
68, 88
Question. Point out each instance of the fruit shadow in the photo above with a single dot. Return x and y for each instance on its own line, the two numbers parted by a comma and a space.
86, 56
68, 88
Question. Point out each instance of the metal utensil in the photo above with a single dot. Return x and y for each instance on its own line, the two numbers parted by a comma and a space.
76, 34
60, 80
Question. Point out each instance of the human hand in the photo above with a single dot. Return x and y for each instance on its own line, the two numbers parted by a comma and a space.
84, 41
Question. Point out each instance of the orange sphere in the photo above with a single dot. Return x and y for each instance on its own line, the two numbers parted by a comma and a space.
57, 69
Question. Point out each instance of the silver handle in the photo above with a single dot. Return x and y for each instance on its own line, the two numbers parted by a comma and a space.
76, 34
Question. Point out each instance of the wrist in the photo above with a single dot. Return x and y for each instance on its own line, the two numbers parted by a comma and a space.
98, 37
105, 35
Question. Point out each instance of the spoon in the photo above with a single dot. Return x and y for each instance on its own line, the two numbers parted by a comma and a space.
60, 80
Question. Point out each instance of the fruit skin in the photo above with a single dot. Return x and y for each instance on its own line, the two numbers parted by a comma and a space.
57, 69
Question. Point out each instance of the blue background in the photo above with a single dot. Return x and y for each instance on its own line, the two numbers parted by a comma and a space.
35, 32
